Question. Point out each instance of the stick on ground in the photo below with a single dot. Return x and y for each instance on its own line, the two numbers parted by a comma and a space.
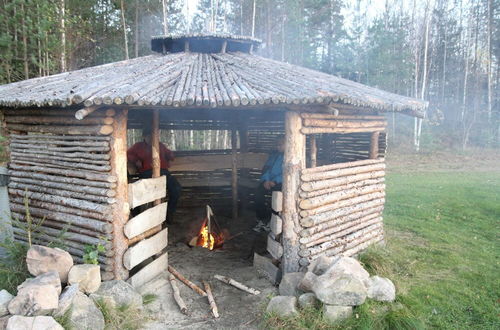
211, 300
184, 280
177, 295
236, 284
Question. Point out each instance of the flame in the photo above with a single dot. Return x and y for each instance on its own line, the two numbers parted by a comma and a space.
209, 240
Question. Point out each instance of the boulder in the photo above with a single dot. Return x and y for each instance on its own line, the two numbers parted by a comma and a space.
37, 296
17, 322
345, 290
307, 282
88, 277
320, 265
118, 293
381, 289
49, 278
5, 298
289, 283
308, 300
4, 320
283, 306
42, 259
85, 314
348, 266
66, 299
334, 314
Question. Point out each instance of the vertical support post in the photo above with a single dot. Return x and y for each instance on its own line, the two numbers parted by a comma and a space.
374, 145
313, 150
121, 208
293, 163
155, 146
234, 172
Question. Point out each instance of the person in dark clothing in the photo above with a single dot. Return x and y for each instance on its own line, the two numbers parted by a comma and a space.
270, 180
140, 158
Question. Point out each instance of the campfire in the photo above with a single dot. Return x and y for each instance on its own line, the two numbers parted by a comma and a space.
210, 236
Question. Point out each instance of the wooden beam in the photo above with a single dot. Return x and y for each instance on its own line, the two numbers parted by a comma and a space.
146, 220
374, 145
234, 172
313, 150
293, 163
146, 190
145, 249
82, 113
120, 210
150, 271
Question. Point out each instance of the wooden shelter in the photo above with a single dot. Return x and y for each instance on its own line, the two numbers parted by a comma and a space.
68, 142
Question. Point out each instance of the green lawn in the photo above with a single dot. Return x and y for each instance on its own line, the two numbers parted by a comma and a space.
442, 253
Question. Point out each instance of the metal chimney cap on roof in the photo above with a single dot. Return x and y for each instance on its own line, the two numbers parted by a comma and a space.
203, 43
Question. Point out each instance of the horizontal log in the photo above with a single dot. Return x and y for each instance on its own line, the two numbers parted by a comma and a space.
53, 112
69, 220
325, 184
306, 115
344, 230
343, 123
331, 167
92, 193
326, 130
343, 203
59, 164
146, 190
344, 215
150, 271
334, 197
71, 130
35, 147
93, 176
62, 209
362, 246
316, 193
40, 139
60, 200
146, 220
104, 158
342, 172
67, 155
36, 120
61, 137
145, 249
274, 248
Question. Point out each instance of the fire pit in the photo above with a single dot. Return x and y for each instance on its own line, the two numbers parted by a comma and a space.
210, 235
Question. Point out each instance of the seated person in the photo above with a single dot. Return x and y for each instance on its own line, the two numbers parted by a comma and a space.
140, 158
270, 180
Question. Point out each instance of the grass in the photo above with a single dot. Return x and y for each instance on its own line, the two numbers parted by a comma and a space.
442, 252
123, 317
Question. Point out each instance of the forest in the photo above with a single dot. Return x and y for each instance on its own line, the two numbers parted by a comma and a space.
444, 51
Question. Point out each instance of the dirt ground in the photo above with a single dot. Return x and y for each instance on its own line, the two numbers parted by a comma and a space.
237, 309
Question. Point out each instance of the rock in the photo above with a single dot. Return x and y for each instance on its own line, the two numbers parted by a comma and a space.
49, 278
320, 265
5, 298
345, 290
66, 299
87, 276
17, 322
118, 293
42, 259
85, 314
4, 320
37, 296
289, 283
335, 314
308, 300
381, 289
283, 306
307, 282
348, 266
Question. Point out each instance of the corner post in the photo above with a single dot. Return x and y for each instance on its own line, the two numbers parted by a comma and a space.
234, 172
374, 145
293, 163
155, 146
313, 150
120, 209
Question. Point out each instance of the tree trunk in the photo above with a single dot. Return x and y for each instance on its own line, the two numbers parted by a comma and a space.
63, 36
124, 28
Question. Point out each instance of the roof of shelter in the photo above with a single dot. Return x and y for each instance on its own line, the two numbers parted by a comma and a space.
200, 79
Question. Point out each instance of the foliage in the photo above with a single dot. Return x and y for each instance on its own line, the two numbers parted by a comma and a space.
65, 320
149, 298
122, 317
441, 253
91, 253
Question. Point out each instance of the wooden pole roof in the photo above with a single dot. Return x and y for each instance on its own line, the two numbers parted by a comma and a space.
201, 79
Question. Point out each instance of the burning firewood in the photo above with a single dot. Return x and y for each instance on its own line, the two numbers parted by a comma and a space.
210, 235
184, 280
177, 295
236, 284
211, 300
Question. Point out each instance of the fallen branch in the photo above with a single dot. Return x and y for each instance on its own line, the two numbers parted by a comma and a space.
184, 280
236, 284
177, 295
211, 300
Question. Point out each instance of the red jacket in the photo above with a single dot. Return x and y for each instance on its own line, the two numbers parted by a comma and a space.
142, 151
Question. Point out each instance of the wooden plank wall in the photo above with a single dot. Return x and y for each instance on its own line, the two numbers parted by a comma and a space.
63, 166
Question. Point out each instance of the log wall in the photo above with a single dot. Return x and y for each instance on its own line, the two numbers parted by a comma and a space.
63, 166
